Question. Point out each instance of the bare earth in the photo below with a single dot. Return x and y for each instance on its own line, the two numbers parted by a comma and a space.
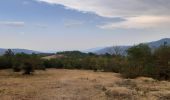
60, 84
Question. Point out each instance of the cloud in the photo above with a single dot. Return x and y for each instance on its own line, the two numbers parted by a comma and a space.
137, 13
21, 24
114, 8
140, 22
12, 23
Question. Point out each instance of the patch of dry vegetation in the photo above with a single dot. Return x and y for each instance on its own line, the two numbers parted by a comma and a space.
60, 84
53, 57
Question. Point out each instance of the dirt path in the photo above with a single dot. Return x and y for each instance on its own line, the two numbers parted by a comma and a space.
55, 84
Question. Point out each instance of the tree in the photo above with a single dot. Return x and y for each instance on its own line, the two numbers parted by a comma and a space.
3, 63
162, 59
140, 61
162, 55
140, 55
28, 67
9, 53
9, 57
118, 51
28, 63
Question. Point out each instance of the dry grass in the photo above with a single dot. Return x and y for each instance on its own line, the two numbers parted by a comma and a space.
60, 84
53, 56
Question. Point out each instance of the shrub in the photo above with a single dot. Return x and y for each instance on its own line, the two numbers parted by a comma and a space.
28, 68
140, 62
162, 58
4, 64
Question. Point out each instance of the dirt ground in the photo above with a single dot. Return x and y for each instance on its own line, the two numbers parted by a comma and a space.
61, 84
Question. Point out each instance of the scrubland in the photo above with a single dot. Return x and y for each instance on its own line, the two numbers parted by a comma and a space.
62, 84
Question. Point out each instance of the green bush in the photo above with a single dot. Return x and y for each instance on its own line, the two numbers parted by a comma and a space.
162, 58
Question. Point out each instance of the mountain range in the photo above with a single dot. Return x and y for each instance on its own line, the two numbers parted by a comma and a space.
100, 50
2, 51
111, 49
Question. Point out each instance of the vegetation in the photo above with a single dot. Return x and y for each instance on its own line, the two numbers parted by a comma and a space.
139, 60
21, 62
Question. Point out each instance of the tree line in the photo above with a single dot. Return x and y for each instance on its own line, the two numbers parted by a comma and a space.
21, 62
140, 60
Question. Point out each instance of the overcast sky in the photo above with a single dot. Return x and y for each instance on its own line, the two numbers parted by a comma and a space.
50, 25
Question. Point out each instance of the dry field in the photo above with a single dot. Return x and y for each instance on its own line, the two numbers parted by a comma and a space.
60, 84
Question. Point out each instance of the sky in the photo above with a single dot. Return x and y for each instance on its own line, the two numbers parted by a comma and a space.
55, 25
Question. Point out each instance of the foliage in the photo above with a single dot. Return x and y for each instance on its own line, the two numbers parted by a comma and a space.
139, 61
162, 60
21, 62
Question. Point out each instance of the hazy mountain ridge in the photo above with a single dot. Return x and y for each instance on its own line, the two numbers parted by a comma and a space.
99, 50
152, 45
158, 43
2, 51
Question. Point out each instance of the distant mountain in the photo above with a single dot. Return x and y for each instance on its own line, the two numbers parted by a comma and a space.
2, 51
92, 49
111, 50
156, 44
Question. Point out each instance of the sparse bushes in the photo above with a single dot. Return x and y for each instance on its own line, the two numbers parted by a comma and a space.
139, 61
21, 62
28, 63
143, 62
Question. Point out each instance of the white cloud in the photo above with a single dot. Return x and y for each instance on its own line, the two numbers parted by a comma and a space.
140, 22
137, 13
12, 23
112, 8
21, 24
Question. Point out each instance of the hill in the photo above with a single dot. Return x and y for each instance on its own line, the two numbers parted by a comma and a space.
2, 51
111, 50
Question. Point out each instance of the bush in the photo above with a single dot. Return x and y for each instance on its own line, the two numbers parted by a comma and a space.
16, 68
3, 63
162, 58
28, 68
140, 62
27, 63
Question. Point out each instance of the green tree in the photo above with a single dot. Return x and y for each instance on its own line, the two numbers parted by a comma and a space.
28, 63
140, 61
140, 55
162, 59
9, 55
3, 63
162, 55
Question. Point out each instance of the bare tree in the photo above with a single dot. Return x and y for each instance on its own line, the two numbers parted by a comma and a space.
117, 50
